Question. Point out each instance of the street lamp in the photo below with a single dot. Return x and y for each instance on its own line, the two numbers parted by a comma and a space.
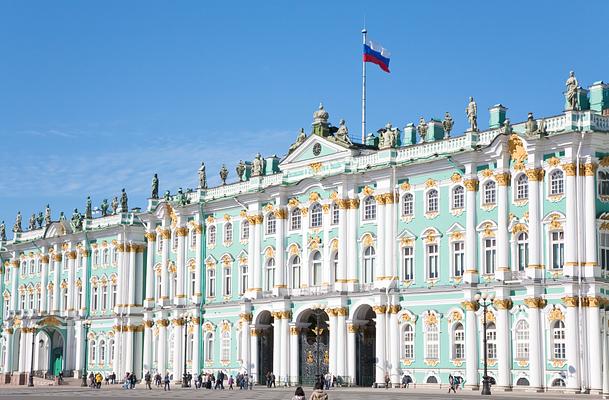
318, 310
485, 300
86, 324
187, 320
32, 330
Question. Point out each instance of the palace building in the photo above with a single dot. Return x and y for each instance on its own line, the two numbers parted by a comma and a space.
358, 259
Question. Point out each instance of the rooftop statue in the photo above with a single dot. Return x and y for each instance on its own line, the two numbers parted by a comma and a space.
572, 89
17, 226
533, 127
32, 223
47, 216
167, 195
88, 209
124, 207
447, 124
240, 170
422, 129
2, 232
114, 205
302, 136
181, 198
257, 165
76, 220
472, 115
40, 220
388, 136
104, 207
62, 217
155, 187
342, 134
202, 177
507, 127
223, 174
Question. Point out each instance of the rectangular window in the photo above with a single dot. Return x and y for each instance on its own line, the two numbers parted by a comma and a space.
228, 282
432, 261
211, 282
408, 263
335, 214
245, 230
490, 253
458, 258
243, 286
558, 250
459, 344
604, 251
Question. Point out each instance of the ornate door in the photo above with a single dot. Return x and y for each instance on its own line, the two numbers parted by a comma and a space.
310, 356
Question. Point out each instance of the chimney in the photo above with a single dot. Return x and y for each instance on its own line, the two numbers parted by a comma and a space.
497, 117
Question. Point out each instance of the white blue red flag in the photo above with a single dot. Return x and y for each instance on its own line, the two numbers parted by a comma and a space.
376, 54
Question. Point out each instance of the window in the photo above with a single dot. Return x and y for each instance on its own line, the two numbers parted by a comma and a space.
557, 183
522, 340
603, 246
432, 201
490, 253
432, 344
225, 346
369, 255
38, 299
22, 301
408, 349
558, 341
491, 341
603, 183
335, 213
458, 197
64, 295
369, 209
269, 274
31, 301
407, 263
94, 298
113, 295
490, 193
458, 342
245, 229
458, 258
211, 235
78, 298
316, 215
111, 350
92, 352
295, 219
407, 205
316, 269
244, 274
335, 265
432, 261
271, 224
7, 304
522, 187
228, 281
296, 272
557, 239
95, 258
102, 352
193, 238
193, 283
105, 257
209, 347
159, 244
211, 282
159, 286
104, 297
228, 232
114, 257
522, 251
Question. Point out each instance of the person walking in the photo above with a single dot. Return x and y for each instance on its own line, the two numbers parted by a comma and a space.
299, 394
148, 380
387, 380
318, 392
452, 384
231, 382
166, 382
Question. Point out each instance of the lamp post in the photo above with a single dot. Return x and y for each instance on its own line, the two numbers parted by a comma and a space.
86, 324
485, 300
30, 382
187, 320
318, 310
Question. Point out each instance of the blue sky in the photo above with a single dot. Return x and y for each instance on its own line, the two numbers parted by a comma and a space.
96, 96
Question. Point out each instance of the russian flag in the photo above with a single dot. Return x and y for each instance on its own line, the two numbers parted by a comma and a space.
376, 54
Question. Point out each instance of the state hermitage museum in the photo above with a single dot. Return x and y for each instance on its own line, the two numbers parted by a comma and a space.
385, 246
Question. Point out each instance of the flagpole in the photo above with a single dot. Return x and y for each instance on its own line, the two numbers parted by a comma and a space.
364, 31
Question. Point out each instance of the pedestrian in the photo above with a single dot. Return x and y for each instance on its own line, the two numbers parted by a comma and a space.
231, 381
148, 380
98, 380
273, 379
451, 384
133, 380
299, 394
387, 380
318, 392
166, 382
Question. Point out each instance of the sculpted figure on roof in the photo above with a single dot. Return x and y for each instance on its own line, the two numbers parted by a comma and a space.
342, 134
104, 207
88, 209
240, 170
472, 114
40, 219
124, 207
47, 216
202, 176
76, 220
114, 205
422, 129
155, 187
32, 222
302, 136
257, 165
447, 124
2, 232
223, 174
17, 226
572, 89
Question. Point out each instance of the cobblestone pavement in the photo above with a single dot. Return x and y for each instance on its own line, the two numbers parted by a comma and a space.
116, 393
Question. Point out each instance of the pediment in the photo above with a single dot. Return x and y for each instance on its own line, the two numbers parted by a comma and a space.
57, 228
317, 149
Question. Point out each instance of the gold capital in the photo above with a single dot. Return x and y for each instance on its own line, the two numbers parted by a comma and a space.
471, 185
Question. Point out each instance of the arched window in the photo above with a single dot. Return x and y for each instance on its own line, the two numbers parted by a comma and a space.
490, 193
522, 382
193, 283
228, 232
211, 282
211, 235
113, 294
225, 346
559, 350
458, 341
559, 383
407, 263
316, 269
244, 277
228, 280
245, 229
158, 285
408, 338
104, 297
316, 215
491, 340
106, 257
369, 208
102, 352
522, 340
557, 183
94, 258
271, 224
31, 300
458, 197
433, 268
522, 251
432, 201
209, 347
335, 213
369, 256
603, 183
295, 219
111, 350
296, 272
94, 298
432, 342
522, 187
92, 352
189, 346
269, 274
407, 205
557, 241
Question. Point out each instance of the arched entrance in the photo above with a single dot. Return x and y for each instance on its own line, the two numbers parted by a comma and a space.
314, 345
365, 345
265, 345
55, 351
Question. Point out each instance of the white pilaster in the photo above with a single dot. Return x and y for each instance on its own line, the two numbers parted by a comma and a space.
164, 298
332, 350
572, 345
84, 305
285, 350
277, 350
150, 253
535, 268
379, 273
341, 278
591, 265
178, 346
503, 271
471, 255
504, 359
254, 355
341, 338
570, 232
180, 295
394, 346
594, 344
294, 366
162, 350
71, 281
381, 337
132, 269
56, 282
471, 345
535, 353
280, 279
351, 363
197, 295
44, 281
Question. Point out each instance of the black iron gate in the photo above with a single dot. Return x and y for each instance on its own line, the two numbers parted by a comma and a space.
310, 356
365, 356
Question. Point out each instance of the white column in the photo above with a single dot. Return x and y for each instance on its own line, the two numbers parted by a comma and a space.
129, 348
165, 236
504, 359
277, 350
352, 253
591, 263
147, 356
22, 350
8, 355
285, 348
162, 350
132, 267
84, 305
245, 342
251, 282
572, 345
196, 336
394, 344
605, 351
121, 296
342, 244
379, 273
535, 353
351, 365
570, 222
294, 366
198, 296
471, 256
56, 282
535, 268
381, 337
257, 287
71, 280
80, 345
44, 281
149, 296
180, 295
594, 344
471, 344
254, 352
392, 228
389, 237
178, 346
280, 281
305, 267
341, 356
333, 333
503, 270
